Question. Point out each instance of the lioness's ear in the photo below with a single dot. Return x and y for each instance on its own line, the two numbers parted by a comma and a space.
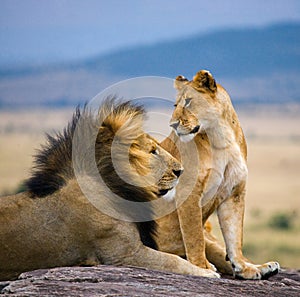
203, 79
180, 81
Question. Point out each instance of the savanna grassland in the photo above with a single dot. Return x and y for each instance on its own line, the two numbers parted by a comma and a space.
272, 222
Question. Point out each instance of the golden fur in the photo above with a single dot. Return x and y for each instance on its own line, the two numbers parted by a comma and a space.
54, 224
204, 116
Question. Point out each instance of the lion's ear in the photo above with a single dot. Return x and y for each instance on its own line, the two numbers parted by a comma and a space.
180, 81
204, 79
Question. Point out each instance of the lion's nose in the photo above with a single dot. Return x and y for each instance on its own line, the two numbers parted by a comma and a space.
174, 125
178, 172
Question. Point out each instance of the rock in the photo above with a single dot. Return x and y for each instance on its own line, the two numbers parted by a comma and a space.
131, 281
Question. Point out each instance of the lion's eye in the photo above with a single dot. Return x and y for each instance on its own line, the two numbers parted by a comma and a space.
175, 105
187, 102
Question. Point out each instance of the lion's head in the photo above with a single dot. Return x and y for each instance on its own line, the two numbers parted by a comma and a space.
197, 105
130, 162
155, 164
137, 158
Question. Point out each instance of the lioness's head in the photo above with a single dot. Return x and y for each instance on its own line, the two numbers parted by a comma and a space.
196, 106
126, 154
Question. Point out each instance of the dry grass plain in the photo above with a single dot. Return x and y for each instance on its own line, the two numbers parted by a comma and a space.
273, 135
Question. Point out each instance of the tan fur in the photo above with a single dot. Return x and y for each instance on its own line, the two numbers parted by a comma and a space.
40, 230
204, 115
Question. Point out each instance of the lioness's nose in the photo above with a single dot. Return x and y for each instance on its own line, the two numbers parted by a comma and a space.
178, 172
174, 125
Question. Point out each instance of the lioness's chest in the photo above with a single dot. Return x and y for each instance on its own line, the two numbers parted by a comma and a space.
235, 172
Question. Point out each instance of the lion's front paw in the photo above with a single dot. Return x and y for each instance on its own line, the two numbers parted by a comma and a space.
210, 266
210, 273
251, 271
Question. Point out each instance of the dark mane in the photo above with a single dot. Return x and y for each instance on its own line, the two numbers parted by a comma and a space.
53, 164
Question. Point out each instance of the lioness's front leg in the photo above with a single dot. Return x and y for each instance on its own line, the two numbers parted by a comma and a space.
215, 252
231, 215
190, 219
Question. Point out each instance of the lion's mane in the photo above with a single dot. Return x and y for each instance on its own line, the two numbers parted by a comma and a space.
116, 121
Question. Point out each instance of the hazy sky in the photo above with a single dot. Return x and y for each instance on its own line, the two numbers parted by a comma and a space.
38, 31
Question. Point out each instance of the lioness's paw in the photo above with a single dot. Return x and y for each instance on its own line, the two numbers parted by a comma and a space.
251, 271
268, 269
248, 272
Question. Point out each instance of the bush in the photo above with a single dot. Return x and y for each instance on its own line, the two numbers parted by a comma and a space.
250, 249
283, 221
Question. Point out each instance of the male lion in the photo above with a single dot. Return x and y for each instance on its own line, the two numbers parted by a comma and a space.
204, 113
54, 224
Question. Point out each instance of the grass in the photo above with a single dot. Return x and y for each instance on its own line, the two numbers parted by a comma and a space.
265, 242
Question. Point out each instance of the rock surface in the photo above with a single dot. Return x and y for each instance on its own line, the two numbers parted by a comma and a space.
130, 281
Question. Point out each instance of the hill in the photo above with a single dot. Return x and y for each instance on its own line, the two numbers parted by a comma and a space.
227, 53
254, 64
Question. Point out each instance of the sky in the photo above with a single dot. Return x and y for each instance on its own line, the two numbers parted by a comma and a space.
47, 31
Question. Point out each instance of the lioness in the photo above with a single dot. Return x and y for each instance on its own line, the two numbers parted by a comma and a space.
54, 224
204, 113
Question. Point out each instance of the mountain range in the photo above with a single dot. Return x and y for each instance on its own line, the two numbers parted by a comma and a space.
227, 53
254, 64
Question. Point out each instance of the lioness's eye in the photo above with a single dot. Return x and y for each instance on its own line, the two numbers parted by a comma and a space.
175, 105
187, 102
154, 151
